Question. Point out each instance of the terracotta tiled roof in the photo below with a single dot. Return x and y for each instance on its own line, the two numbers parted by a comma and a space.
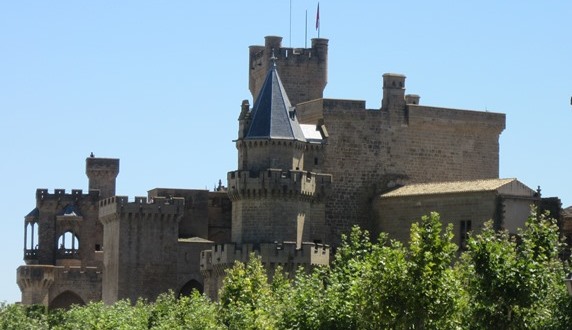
195, 240
449, 187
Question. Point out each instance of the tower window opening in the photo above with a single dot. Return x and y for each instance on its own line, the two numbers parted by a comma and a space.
464, 231
68, 245
31, 238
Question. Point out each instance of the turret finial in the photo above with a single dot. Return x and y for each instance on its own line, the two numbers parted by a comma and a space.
273, 58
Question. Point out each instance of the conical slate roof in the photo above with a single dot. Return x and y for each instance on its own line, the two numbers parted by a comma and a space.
273, 117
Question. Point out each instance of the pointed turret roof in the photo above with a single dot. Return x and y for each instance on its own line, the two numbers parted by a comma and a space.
273, 117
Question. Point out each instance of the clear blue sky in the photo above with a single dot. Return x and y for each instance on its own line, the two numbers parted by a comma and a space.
159, 85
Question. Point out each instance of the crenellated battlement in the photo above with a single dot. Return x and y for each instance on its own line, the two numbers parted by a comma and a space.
304, 71
274, 143
74, 194
272, 254
102, 173
141, 205
285, 55
276, 182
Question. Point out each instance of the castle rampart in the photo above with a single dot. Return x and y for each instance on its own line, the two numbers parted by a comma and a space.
141, 246
162, 206
61, 195
403, 142
275, 254
278, 183
279, 199
294, 67
289, 255
37, 283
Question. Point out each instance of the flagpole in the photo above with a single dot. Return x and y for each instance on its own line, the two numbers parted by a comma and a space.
318, 19
290, 23
306, 31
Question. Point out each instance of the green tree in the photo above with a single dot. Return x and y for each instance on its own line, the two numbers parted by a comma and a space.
303, 302
384, 291
435, 297
16, 316
344, 281
387, 285
515, 282
194, 312
412, 287
98, 316
246, 297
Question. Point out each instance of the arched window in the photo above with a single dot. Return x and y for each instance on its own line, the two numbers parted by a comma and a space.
31, 241
68, 245
31, 229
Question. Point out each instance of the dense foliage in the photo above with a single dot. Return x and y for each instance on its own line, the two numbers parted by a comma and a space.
499, 282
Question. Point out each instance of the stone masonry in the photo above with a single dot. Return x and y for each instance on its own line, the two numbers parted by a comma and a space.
307, 170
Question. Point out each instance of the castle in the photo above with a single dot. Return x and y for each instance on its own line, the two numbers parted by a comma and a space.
309, 169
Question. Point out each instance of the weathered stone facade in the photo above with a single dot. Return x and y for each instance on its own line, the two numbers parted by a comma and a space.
308, 169
81, 247
465, 204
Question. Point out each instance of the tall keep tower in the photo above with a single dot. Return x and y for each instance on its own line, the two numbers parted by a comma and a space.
277, 193
304, 70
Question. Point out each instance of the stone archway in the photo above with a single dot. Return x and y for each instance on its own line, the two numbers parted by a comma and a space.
188, 288
65, 299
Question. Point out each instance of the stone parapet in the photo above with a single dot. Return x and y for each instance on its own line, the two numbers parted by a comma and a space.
141, 205
276, 182
304, 71
272, 254
40, 284
60, 194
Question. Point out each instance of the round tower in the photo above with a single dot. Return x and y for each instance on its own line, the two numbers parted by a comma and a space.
274, 199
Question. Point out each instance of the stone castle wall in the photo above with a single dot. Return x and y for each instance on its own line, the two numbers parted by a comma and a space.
370, 151
288, 255
53, 285
396, 215
143, 242
51, 225
277, 205
280, 200
266, 220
